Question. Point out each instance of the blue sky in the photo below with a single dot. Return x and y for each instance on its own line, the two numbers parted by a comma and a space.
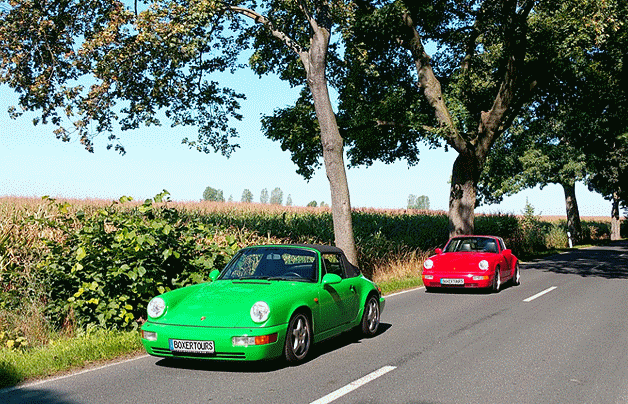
34, 163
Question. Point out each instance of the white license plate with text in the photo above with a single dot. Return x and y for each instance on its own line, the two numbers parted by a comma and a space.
452, 281
188, 346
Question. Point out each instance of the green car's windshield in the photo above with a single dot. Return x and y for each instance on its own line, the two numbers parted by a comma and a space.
471, 244
273, 263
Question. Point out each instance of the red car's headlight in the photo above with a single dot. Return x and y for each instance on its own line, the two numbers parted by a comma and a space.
483, 265
428, 264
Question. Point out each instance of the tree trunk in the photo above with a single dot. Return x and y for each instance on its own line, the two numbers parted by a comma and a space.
315, 62
573, 215
333, 146
462, 195
615, 223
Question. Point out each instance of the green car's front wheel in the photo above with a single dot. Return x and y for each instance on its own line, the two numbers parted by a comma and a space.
370, 318
298, 338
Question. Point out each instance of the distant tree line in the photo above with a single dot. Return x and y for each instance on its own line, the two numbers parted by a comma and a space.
418, 202
274, 198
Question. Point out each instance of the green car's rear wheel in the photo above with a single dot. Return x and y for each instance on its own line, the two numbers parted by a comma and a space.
298, 338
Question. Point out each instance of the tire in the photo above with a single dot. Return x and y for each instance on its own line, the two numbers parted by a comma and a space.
370, 318
497, 281
516, 278
298, 338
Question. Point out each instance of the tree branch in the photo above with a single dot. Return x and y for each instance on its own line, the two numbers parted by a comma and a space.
260, 19
431, 86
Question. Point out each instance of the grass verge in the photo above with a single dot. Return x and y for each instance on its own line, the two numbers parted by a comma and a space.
397, 285
17, 366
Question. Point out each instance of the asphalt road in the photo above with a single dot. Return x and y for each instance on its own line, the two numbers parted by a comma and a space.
559, 337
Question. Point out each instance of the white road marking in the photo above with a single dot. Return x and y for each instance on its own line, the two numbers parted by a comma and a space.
353, 385
529, 299
404, 291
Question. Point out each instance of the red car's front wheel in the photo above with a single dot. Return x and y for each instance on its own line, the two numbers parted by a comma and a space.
497, 281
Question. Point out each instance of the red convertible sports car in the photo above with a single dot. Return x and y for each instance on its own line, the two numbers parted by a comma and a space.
471, 262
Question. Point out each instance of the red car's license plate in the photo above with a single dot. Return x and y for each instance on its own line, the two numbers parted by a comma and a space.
452, 281
181, 345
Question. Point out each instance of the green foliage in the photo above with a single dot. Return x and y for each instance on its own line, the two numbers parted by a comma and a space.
106, 267
104, 55
211, 194
312, 204
556, 237
505, 226
532, 230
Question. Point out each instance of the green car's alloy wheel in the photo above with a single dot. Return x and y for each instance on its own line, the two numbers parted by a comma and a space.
370, 318
298, 338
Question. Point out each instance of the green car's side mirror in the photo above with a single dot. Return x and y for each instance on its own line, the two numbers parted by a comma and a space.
213, 275
330, 279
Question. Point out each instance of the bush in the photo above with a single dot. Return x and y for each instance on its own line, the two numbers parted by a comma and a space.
103, 269
557, 237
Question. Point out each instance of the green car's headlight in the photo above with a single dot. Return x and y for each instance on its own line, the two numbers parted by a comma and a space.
260, 312
156, 307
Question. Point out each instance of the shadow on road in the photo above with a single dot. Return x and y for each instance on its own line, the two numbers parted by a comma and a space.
33, 396
608, 261
320, 349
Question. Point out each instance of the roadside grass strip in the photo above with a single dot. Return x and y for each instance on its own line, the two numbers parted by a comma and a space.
529, 299
354, 385
63, 355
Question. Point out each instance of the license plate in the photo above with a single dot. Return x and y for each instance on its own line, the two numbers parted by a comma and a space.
452, 281
187, 346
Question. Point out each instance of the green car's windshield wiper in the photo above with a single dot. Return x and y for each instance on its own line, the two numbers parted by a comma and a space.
251, 277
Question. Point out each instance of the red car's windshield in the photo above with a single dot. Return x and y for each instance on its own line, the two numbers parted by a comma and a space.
472, 244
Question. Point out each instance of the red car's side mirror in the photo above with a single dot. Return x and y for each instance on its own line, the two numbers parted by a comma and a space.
507, 251
438, 251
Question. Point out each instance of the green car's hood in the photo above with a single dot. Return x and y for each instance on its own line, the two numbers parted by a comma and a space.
226, 303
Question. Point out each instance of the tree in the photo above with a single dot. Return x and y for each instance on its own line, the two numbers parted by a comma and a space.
263, 196
247, 196
158, 56
276, 196
467, 96
211, 194
421, 202
495, 61
531, 154
102, 68
289, 200
312, 204
298, 47
603, 120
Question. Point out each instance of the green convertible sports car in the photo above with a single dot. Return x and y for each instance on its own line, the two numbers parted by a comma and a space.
269, 301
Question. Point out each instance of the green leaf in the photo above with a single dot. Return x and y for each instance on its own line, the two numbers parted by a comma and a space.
80, 253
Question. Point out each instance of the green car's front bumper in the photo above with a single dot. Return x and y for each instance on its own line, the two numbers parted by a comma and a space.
222, 338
